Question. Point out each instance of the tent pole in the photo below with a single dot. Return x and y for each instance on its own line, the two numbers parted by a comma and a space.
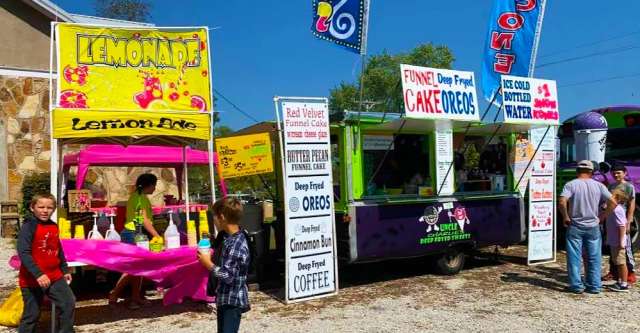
185, 173
211, 170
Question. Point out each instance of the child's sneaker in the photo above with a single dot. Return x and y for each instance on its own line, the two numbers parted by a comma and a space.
631, 278
619, 288
608, 277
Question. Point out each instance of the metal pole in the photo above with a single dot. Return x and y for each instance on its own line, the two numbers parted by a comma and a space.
213, 124
276, 101
185, 173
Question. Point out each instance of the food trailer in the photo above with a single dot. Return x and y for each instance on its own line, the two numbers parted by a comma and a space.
432, 180
386, 195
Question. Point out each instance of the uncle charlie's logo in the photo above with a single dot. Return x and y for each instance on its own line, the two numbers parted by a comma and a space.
431, 217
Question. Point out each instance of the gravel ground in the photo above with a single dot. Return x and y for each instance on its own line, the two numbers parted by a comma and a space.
401, 296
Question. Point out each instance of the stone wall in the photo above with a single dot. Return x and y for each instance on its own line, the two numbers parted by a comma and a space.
24, 108
118, 182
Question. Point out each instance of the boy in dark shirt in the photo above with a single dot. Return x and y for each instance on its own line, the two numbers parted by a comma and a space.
232, 294
44, 268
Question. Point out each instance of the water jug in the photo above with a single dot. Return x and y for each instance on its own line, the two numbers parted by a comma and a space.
171, 235
112, 234
94, 233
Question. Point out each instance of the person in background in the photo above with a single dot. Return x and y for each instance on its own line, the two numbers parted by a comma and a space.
232, 294
44, 269
585, 196
619, 173
616, 239
138, 203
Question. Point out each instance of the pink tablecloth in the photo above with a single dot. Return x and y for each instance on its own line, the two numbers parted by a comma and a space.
177, 270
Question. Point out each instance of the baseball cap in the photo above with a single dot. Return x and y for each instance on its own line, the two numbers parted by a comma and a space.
585, 164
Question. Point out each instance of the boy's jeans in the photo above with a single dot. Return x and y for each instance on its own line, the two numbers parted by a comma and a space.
589, 239
228, 318
60, 294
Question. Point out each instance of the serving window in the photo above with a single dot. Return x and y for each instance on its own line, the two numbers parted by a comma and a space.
396, 165
483, 167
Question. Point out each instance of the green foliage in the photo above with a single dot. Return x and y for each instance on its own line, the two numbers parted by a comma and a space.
254, 185
344, 97
222, 131
382, 78
129, 10
471, 157
36, 183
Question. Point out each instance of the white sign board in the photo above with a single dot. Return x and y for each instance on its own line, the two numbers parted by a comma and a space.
529, 101
433, 93
542, 213
311, 262
377, 142
444, 159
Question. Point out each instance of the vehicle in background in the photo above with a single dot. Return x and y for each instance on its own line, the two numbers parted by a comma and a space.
620, 145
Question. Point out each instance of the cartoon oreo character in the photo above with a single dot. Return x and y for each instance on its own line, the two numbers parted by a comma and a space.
430, 217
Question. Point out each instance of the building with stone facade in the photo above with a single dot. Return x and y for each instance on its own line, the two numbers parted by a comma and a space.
24, 102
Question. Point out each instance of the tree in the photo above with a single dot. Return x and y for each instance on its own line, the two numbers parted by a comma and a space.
129, 10
382, 78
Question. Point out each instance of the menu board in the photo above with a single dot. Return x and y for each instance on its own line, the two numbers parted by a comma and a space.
541, 196
444, 159
309, 217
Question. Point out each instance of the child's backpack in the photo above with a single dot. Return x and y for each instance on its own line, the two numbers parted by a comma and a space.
253, 253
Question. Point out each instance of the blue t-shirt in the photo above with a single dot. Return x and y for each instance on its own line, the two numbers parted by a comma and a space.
585, 197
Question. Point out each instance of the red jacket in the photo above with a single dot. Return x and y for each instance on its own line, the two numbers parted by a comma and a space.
40, 252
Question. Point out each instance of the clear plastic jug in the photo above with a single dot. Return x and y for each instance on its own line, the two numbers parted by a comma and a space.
112, 234
171, 235
94, 233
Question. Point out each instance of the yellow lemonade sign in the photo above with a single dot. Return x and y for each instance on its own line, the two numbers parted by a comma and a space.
71, 123
244, 155
109, 68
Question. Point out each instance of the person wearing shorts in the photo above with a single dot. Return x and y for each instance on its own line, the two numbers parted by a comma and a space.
616, 239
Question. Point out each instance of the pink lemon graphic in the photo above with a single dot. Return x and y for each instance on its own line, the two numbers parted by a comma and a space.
198, 102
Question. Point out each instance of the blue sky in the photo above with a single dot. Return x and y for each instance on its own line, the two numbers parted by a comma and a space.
264, 48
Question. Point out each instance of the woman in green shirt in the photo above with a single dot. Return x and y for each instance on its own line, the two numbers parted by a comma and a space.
138, 203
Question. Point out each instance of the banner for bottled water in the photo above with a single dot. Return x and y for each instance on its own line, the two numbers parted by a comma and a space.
542, 213
311, 262
530, 101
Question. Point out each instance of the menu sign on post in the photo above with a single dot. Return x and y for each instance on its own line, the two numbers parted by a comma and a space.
542, 196
308, 199
444, 160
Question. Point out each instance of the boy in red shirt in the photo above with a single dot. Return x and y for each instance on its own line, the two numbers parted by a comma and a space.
44, 268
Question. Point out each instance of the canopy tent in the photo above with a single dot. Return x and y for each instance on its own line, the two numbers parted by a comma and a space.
130, 103
150, 156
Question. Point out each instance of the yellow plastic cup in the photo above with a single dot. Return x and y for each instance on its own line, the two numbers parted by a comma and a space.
79, 234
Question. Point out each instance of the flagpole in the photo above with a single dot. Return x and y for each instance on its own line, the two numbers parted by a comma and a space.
363, 52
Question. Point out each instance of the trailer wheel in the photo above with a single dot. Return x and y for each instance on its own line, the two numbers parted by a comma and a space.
451, 262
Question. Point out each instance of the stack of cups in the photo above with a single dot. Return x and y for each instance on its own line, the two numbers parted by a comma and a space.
79, 232
203, 226
192, 236
64, 228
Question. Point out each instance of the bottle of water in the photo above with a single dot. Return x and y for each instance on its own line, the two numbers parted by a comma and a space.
204, 246
140, 238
